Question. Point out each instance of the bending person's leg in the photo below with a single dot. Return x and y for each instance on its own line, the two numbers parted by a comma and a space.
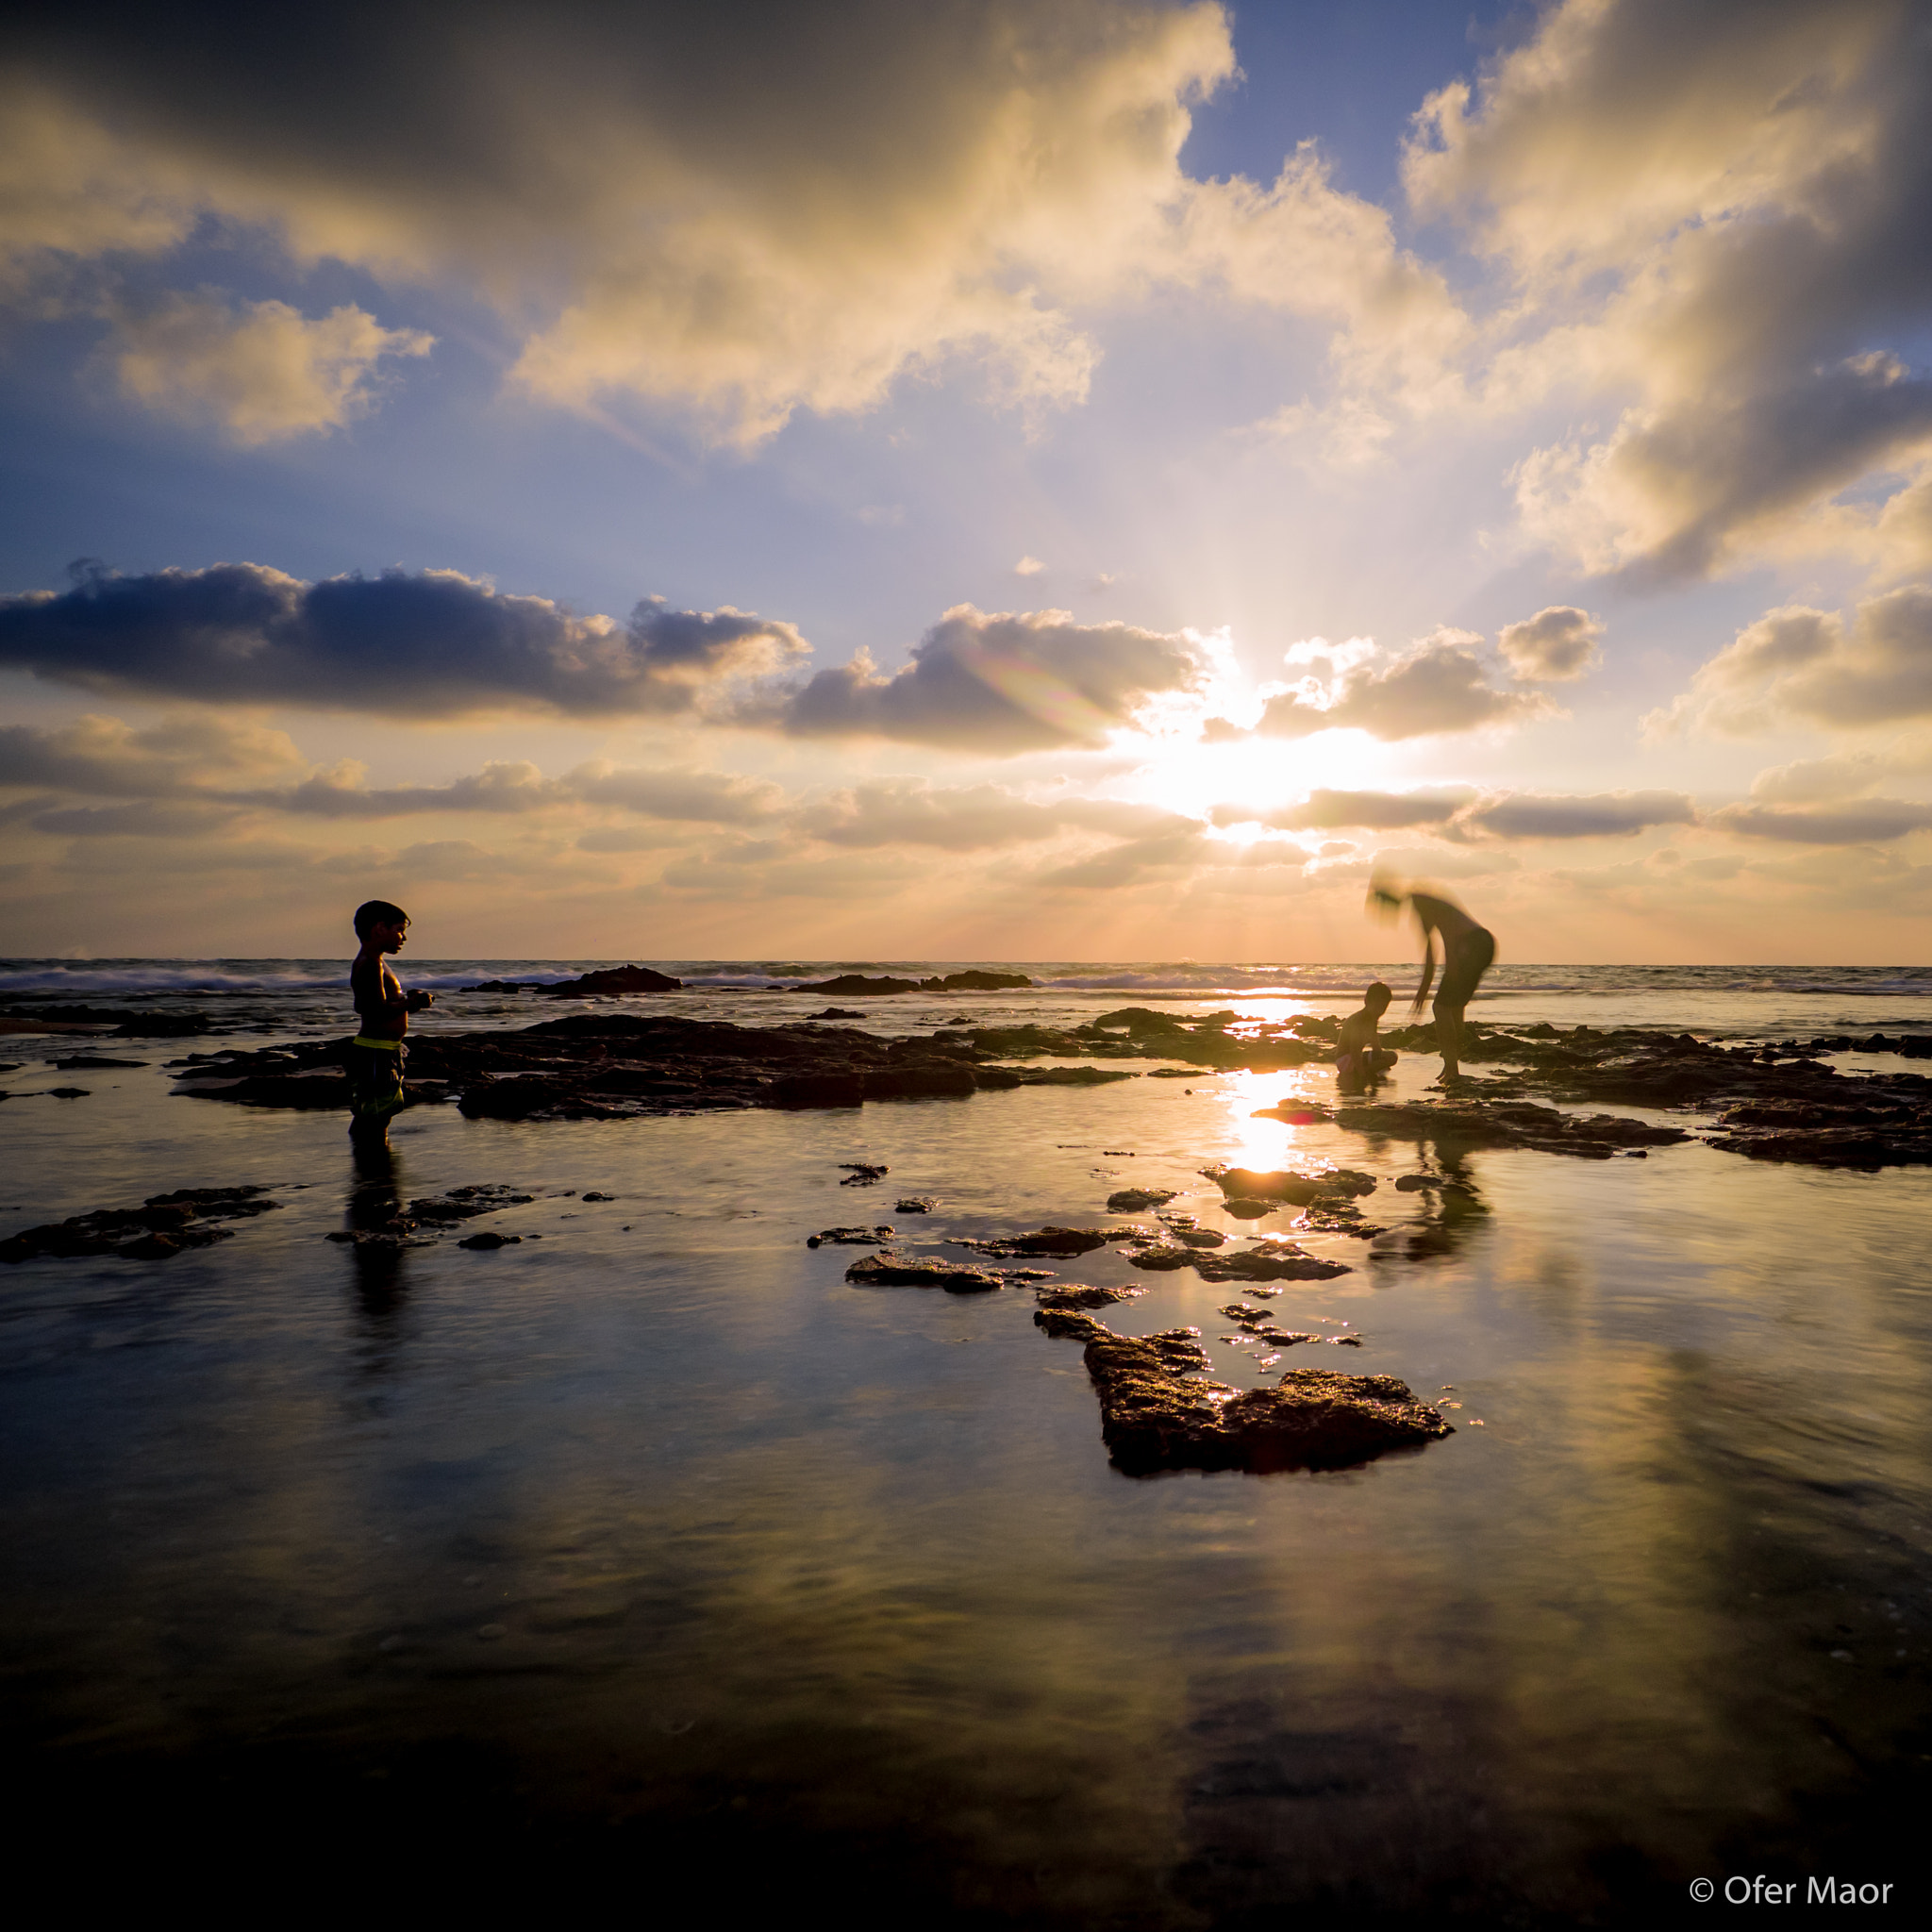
1469, 959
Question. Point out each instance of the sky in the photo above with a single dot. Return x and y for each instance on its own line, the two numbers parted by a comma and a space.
1008, 479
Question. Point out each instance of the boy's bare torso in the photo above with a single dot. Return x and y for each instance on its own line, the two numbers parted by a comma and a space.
380, 1003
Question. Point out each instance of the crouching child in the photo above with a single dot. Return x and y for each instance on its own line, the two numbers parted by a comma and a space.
1359, 1062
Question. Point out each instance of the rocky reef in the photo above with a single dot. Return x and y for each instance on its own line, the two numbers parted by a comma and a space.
1159, 1411
620, 1065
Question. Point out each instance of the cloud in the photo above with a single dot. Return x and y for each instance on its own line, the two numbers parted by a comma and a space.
262, 376
1028, 567
1556, 644
967, 818
1797, 664
1714, 219
424, 646
1438, 687
102, 757
1324, 811
1462, 814
998, 684
1598, 815
737, 214
1865, 822
1165, 856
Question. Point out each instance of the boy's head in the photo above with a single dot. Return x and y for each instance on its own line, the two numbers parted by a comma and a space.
380, 923
1377, 997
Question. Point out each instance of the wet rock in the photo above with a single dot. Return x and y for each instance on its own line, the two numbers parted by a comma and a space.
915, 1203
1072, 1077
1479, 1122
1200, 1236
164, 1225
489, 1239
888, 1270
125, 1025
1245, 1184
849, 1237
76, 1060
861, 1173
1068, 1321
1275, 1260
1065, 1298
514, 1098
1415, 1183
939, 1081
1245, 1209
1161, 1257
593, 1195
1158, 1412
69, 1092
838, 1013
383, 1241
467, 1202
1137, 1199
851, 983
1328, 1217
614, 979
818, 1089
1058, 1241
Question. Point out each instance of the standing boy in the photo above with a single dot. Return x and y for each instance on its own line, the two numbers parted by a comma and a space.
376, 1054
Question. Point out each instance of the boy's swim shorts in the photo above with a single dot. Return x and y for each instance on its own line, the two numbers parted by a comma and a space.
376, 1078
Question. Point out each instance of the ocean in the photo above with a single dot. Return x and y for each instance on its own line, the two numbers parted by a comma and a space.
651, 1542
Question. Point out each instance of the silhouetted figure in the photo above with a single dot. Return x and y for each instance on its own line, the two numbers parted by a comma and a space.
1360, 1062
376, 1055
1467, 951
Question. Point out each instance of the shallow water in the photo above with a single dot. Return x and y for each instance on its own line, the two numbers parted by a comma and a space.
808, 1585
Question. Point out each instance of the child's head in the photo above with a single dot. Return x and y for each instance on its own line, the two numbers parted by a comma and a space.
1377, 997
373, 913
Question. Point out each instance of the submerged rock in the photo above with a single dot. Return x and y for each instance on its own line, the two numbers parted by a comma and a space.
887, 1270
861, 1173
1158, 1412
916, 1204
490, 1240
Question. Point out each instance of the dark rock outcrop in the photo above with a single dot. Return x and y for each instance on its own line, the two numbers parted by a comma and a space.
606, 981
164, 1225
1158, 1412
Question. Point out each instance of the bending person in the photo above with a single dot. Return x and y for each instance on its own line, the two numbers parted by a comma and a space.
1467, 951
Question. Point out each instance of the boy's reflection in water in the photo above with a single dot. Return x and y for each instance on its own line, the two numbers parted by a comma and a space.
1453, 1209
375, 1211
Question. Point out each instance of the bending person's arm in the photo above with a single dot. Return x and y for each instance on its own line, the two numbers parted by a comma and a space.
1422, 992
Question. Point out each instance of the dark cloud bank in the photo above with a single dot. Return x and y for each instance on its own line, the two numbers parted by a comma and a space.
424, 645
